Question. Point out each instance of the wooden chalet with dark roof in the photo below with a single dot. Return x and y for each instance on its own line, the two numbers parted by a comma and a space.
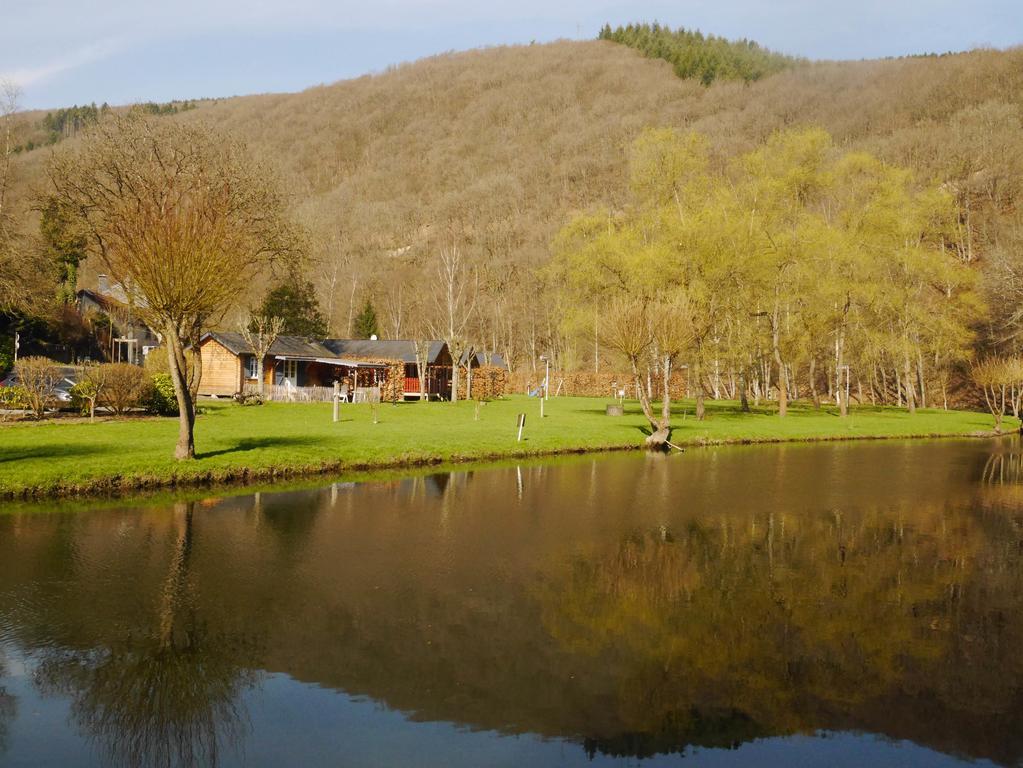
297, 368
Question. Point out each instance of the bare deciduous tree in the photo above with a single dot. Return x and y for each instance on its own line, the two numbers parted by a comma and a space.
183, 216
260, 333
456, 291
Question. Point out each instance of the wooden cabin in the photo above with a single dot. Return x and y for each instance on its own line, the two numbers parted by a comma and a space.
297, 368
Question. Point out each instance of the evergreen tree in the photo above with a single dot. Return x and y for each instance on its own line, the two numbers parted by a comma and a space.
702, 57
366, 322
295, 301
65, 248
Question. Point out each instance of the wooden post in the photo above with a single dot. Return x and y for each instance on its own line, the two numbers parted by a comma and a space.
522, 423
541, 407
337, 400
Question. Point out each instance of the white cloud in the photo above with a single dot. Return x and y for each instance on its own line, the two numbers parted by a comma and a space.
29, 76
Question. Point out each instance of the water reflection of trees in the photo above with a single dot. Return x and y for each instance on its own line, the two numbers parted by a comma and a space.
161, 695
8, 705
782, 624
152, 701
547, 599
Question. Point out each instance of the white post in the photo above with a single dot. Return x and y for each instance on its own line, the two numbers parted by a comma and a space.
17, 344
337, 400
522, 423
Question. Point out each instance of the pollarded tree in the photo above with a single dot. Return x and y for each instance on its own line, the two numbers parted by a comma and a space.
995, 377
182, 215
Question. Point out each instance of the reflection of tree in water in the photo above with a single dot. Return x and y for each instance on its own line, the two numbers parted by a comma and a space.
165, 698
727, 630
7, 705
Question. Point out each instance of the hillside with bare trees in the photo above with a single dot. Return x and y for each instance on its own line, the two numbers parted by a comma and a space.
492, 151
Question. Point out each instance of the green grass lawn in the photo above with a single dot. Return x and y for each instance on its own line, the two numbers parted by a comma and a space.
278, 439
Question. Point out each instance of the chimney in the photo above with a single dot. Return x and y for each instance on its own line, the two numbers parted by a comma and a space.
102, 285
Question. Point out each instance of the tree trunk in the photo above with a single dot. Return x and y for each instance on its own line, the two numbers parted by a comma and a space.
666, 399
920, 376
700, 405
743, 395
783, 385
842, 391
186, 409
908, 385
456, 356
813, 383
660, 429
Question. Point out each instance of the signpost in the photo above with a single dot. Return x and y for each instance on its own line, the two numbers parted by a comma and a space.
522, 423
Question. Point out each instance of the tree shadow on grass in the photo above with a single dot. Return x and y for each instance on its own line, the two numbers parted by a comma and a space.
256, 443
48, 451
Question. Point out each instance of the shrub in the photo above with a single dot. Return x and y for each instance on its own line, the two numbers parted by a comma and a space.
39, 377
14, 398
119, 386
156, 362
82, 395
160, 398
248, 398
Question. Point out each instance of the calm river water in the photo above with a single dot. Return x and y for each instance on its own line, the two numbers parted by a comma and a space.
838, 604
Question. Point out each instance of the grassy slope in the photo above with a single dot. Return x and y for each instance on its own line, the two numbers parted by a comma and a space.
283, 439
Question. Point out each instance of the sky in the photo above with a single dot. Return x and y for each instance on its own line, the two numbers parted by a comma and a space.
63, 52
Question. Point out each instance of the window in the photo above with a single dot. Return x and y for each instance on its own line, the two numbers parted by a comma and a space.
291, 371
251, 367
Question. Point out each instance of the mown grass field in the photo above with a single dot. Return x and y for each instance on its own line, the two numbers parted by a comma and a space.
281, 439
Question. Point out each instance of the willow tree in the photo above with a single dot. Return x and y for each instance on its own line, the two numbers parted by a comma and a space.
184, 217
653, 265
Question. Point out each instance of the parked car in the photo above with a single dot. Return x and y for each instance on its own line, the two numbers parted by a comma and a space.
69, 377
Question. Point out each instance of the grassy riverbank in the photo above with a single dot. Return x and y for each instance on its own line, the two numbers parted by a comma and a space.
279, 439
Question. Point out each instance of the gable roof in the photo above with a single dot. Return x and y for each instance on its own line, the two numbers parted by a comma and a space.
285, 346
383, 349
300, 347
480, 358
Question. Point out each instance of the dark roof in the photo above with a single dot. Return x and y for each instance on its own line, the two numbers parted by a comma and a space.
285, 346
106, 302
381, 349
299, 347
481, 359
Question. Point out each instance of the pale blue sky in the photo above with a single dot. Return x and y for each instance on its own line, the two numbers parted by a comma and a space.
120, 51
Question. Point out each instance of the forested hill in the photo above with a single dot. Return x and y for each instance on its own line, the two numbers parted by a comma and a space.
705, 57
497, 148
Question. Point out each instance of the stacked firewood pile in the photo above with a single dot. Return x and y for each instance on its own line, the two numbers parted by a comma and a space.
591, 384
489, 382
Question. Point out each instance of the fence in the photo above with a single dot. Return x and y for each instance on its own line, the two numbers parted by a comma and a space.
287, 393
